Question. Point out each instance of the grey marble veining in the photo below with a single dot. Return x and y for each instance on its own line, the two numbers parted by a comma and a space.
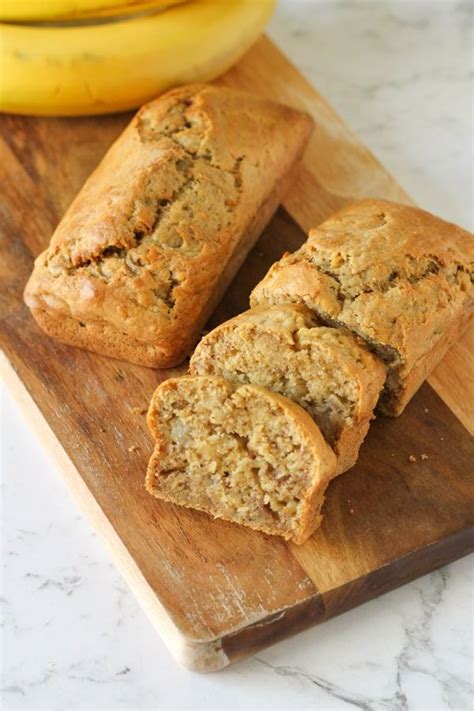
73, 636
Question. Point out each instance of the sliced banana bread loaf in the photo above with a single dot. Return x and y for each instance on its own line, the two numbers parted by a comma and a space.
397, 276
325, 370
241, 454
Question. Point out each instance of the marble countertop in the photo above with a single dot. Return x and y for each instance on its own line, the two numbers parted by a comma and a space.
74, 637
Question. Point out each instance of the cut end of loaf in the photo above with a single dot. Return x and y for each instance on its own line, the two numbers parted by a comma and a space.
285, 349
244, 455
395, 276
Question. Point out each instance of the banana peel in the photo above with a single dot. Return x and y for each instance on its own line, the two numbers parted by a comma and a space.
61, 10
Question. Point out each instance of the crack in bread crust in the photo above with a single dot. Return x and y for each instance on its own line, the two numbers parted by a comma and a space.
130, 254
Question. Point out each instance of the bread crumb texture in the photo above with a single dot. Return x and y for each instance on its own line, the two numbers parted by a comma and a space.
285, 349
242, 454
394, 275
138, 411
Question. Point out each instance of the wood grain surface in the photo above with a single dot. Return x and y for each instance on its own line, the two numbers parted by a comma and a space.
217, 591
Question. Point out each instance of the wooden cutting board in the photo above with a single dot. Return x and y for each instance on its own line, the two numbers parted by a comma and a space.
216, 591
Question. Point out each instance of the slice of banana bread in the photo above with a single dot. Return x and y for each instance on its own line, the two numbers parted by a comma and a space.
325, 370
241, 454
395, 275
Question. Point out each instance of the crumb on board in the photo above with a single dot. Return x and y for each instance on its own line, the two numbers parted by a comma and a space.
412, 458
351, 511
424, 456
426, 409
393, 454
137, 411
133, 448
442, 439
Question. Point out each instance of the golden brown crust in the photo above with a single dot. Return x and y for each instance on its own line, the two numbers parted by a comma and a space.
309, 443
285, 349
163, 222
395, 275
394, 406
102, 337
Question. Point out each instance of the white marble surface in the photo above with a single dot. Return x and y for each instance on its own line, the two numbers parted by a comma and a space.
74, 637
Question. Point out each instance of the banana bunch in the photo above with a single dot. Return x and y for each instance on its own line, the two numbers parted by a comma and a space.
77, 57
66, 10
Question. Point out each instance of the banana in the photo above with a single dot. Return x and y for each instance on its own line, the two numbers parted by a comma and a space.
58, 10
116, 66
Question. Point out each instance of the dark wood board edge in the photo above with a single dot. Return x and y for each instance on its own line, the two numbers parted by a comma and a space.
320, 608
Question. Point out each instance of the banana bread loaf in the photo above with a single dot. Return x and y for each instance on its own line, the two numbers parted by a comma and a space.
396, 276
159, 229
241, 454
284, 349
